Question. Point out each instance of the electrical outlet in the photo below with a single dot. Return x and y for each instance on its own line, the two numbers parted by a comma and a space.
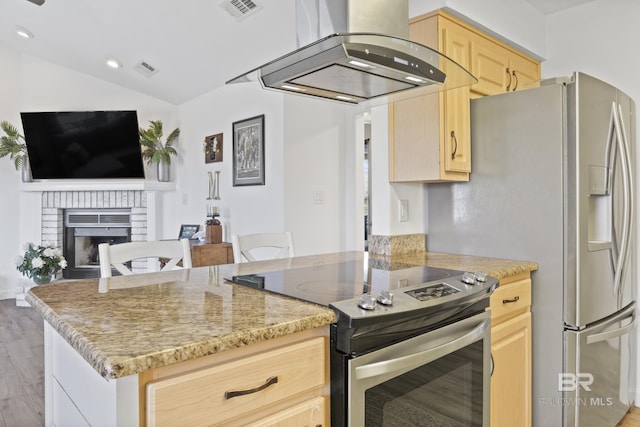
403, 210
318, 197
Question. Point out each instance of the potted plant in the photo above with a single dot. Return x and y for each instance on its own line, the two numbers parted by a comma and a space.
155, 151
40, 263
12, 144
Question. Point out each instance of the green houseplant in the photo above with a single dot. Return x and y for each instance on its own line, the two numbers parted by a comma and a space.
12, 144
155, 151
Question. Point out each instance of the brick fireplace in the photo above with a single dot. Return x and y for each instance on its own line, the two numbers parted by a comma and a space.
55, 202
44, 204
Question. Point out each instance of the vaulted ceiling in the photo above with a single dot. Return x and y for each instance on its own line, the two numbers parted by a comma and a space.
194, 45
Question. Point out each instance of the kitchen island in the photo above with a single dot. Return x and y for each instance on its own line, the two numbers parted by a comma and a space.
117, 350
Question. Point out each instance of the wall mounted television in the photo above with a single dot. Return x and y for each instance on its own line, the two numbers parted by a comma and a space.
83, 144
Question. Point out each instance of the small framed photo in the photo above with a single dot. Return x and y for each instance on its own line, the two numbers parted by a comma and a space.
213, 148
188, 230
248, 151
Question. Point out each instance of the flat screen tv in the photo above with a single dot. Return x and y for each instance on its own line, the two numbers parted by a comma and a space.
83, 144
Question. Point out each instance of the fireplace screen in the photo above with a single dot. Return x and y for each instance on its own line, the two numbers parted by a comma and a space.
84, 231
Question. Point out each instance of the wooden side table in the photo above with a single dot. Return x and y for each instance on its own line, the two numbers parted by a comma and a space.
203, 254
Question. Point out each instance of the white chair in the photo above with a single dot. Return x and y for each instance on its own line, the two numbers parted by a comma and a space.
275, 245
118, 255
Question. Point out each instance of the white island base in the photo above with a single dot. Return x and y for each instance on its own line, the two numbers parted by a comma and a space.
76, 395
192, 392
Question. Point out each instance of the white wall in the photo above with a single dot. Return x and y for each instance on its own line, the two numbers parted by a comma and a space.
597, 38
29, 84
320, 157
244, 209
9, 177
516, 20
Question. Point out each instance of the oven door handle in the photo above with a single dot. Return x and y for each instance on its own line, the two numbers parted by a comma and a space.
417, 359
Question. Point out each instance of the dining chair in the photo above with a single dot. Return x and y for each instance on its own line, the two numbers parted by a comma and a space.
247, 247
118, 255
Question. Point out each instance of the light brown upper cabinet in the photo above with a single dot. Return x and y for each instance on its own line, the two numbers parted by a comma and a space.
430, 136
500, 69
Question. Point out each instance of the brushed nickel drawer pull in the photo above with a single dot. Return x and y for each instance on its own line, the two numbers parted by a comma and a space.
507, 301
229, 394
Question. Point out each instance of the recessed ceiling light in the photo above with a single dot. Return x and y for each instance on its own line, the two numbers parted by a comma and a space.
344, 98
23, 32
113, 63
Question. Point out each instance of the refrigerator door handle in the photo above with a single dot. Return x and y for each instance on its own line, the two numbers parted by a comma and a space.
604, 336
627, 199
620, 135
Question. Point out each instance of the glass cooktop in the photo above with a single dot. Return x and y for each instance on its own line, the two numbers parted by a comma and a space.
327, 283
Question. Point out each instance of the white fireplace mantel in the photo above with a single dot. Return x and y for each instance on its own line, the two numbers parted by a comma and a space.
97, 185
44, 201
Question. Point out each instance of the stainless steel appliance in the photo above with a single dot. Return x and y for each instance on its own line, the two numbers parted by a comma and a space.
552, 182
356, 50
406, 341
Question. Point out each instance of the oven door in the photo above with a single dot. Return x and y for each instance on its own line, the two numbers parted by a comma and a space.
439, 378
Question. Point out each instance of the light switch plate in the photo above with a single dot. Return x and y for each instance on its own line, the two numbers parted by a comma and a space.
403, 210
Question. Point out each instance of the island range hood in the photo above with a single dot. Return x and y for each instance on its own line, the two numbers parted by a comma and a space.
357, 50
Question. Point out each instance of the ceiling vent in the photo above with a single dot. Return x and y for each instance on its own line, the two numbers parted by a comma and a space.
240, 9
145, 69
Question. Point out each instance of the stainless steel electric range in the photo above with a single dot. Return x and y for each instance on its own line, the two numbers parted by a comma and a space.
411, 345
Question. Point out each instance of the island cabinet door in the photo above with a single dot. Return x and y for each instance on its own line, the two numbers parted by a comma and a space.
223, 393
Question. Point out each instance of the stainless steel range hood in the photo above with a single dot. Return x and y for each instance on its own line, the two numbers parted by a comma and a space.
350, 61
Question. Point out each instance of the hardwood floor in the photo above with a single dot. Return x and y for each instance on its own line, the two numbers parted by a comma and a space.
21, 366
22, 369
632, 419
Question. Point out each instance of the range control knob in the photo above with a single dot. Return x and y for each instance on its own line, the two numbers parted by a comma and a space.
480, 276
367, 302
469, 278
385, 298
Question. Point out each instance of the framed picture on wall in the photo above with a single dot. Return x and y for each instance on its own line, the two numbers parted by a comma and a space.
213, 148
248, 151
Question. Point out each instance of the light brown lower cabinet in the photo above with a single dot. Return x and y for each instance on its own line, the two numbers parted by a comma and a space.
275, 386
511, 352
309, 413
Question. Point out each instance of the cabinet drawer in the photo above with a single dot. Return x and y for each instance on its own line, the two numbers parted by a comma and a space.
202, 397
510, 300
310, 413
212, 254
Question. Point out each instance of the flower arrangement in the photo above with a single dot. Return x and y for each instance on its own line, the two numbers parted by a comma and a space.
40, 262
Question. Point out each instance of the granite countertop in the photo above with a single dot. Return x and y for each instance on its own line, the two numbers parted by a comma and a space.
129, 324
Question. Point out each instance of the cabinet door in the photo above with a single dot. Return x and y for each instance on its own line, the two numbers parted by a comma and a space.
214, 395
524, 72
490, 66
500, 70
309, 413
511, 378
456, 140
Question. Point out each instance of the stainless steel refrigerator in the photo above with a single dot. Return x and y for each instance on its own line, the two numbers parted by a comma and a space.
552, 182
